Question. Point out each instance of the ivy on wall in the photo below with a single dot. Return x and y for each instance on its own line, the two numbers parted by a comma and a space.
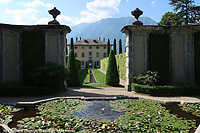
197, 57
33, 51
159, 51
121, 65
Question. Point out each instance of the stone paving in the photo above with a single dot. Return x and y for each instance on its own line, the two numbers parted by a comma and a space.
99, 92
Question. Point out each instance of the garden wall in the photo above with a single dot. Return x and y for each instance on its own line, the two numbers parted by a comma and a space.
172, 51
121, 65
17, 50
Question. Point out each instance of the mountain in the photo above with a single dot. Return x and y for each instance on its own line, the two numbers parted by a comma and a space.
109, 28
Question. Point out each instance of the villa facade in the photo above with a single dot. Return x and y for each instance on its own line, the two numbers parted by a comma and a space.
90, 51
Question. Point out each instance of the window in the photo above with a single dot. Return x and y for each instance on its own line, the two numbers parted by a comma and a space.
83, 54
104, 54
75, 47
97, 47
90, 47
97, 54
82, 63
104, 47
90, 54
75, 55
82, 47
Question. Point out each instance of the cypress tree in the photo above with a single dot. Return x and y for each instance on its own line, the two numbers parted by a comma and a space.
72, 43
112, 75
86, 65
72, 77
108, 47
115, 48
66, 48
120, 46
95, 65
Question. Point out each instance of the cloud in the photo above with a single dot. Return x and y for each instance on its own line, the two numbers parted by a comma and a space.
5, 1
99, 9
43, 21
20, 16
153, 2
37, 3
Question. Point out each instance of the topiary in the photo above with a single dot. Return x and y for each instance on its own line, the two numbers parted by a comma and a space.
112, 75
72, 73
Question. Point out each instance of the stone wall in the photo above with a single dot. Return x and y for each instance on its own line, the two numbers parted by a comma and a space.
181, 51
10, 49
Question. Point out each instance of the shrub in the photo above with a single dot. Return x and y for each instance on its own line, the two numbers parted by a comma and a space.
112, 75
72, 73
48, 75
167, 90
151, 78
78, 63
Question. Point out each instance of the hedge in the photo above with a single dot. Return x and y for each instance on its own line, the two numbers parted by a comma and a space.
33, 52
121, 65
78, 63
167, 90
197, 57
159, 51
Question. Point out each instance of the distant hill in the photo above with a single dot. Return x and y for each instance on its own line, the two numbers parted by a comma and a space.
106, 28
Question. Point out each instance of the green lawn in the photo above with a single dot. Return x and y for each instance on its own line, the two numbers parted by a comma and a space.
84, 76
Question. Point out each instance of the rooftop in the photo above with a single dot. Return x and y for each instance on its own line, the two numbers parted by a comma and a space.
86, 42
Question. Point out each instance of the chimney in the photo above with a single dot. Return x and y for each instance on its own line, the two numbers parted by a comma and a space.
76, 39
80, 38
99, 38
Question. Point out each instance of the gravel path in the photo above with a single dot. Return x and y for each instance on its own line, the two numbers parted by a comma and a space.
98, 92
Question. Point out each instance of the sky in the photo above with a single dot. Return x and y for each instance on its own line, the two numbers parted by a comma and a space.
74, 12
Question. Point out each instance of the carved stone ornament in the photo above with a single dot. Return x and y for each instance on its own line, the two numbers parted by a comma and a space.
136, 13
54, 12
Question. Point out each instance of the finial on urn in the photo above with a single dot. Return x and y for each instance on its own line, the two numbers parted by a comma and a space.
54, 12
136, 13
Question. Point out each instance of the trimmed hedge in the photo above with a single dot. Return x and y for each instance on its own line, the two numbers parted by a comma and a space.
167, 90
121, 65
159, 51
197, 57
78, 63
33, 52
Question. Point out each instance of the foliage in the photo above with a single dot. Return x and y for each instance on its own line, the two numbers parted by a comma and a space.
120, 46
151, 78
159, 51
72, 73
108, 47
112, 75
5, 113
170, 19
167, 90
197, 57
84, 76
121, 65
78, 63
148, 116
72, 44
48, 75
193, 108
114, 46
95, 65
33, 52
86, 65
186, 10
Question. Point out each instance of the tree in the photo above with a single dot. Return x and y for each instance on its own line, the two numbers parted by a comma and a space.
86, 65
120, 46
72, 73
186, 10
108, 47
95, 65
115, 48
72, 44
112, 75
170, 19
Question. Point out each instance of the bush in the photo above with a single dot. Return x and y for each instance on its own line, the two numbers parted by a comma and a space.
151, 78
167, 90
48, 75
112, 75
78, 63
72, 73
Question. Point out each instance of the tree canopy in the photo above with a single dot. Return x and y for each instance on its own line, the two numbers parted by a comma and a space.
170, 19
186, 10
